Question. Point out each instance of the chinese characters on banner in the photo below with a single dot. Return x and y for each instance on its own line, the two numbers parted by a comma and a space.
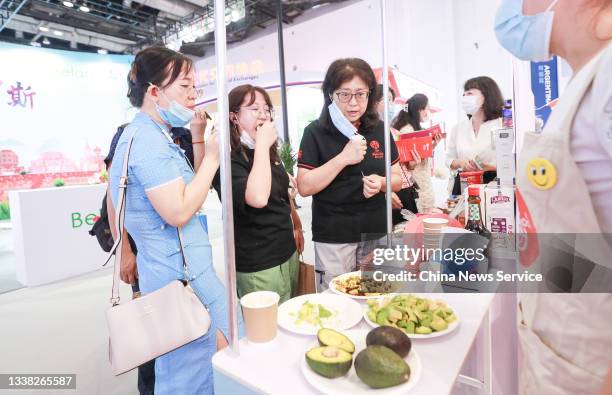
545, 87
18, 95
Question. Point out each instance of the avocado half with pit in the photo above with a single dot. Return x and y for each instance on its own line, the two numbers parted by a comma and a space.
330, 337
329, 361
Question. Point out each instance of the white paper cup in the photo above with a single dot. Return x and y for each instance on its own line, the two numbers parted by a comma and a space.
435, 222
260, 311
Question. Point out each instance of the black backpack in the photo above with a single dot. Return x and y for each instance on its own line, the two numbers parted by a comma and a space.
101, 229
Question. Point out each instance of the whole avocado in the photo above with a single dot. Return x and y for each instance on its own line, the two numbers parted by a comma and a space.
391, 337
381, 367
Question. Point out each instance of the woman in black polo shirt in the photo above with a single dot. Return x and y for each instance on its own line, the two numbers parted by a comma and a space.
266, 256
342, 165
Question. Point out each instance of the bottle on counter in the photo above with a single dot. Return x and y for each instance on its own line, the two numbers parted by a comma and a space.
474, 221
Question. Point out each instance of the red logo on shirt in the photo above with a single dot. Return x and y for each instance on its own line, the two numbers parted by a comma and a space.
376, 152
299, 154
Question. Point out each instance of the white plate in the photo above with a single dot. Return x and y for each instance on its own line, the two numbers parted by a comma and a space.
332, 286
351, 384
451, 327
346, 313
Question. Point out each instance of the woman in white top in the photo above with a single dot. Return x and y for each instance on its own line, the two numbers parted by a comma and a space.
469, 146
409, 120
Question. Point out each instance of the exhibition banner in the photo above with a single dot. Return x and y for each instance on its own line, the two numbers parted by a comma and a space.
58, 112
545, 87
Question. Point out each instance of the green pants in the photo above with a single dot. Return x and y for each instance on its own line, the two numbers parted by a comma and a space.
282, 279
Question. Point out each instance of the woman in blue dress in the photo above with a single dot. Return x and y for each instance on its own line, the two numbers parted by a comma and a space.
164, 193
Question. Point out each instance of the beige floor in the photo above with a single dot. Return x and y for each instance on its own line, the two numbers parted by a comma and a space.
61, 328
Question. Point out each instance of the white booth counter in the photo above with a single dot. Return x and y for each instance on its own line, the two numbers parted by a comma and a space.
274, 367
50, 228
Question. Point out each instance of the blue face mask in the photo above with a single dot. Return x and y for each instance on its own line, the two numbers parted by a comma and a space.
525, 36
340, 122
177, 115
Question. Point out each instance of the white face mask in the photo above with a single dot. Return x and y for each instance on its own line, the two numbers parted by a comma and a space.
471, 104
247, 140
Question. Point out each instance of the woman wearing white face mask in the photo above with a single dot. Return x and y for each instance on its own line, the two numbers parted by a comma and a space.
266, 256
164, 193
469, 145
564, 176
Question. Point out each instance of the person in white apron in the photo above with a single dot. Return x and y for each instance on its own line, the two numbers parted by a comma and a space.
564, 179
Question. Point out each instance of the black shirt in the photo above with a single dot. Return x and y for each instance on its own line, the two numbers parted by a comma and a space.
263, 236
340, 212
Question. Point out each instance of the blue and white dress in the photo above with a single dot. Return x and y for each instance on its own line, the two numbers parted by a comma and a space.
155, 160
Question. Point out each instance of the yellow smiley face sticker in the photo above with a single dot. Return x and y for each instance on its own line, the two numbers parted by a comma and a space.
541, 173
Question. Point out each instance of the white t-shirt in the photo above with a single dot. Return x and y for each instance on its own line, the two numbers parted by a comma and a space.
464, 144
591, 141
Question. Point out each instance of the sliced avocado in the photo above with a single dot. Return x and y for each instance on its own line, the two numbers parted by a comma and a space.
372, 315
330, 337
394, 315
410, 328
422, 305
438, 324
426, 319
390, 337
440, 313
451, 318
402, 323
380, 367
412, 316
382, 317
423, 330
323, 312
330, 362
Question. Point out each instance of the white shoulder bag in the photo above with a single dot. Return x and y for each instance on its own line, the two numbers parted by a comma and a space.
156, 323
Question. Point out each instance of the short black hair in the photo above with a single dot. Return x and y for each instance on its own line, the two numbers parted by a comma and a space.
343, 70
493, 99
154, 65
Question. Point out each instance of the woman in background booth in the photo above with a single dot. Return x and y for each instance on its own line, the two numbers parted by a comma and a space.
165, 193
341, 165
564, 179
265, 241
414, 113
469, 146
404, 198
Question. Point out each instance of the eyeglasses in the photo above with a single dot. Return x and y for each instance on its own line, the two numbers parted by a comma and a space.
256, 112
345, 97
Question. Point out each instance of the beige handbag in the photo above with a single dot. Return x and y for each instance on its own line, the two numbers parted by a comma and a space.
156, 323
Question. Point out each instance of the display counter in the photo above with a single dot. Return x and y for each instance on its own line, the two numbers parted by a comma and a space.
274, 367
50, 228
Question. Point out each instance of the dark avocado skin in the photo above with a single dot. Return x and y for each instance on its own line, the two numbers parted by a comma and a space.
391, 337
380, 367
